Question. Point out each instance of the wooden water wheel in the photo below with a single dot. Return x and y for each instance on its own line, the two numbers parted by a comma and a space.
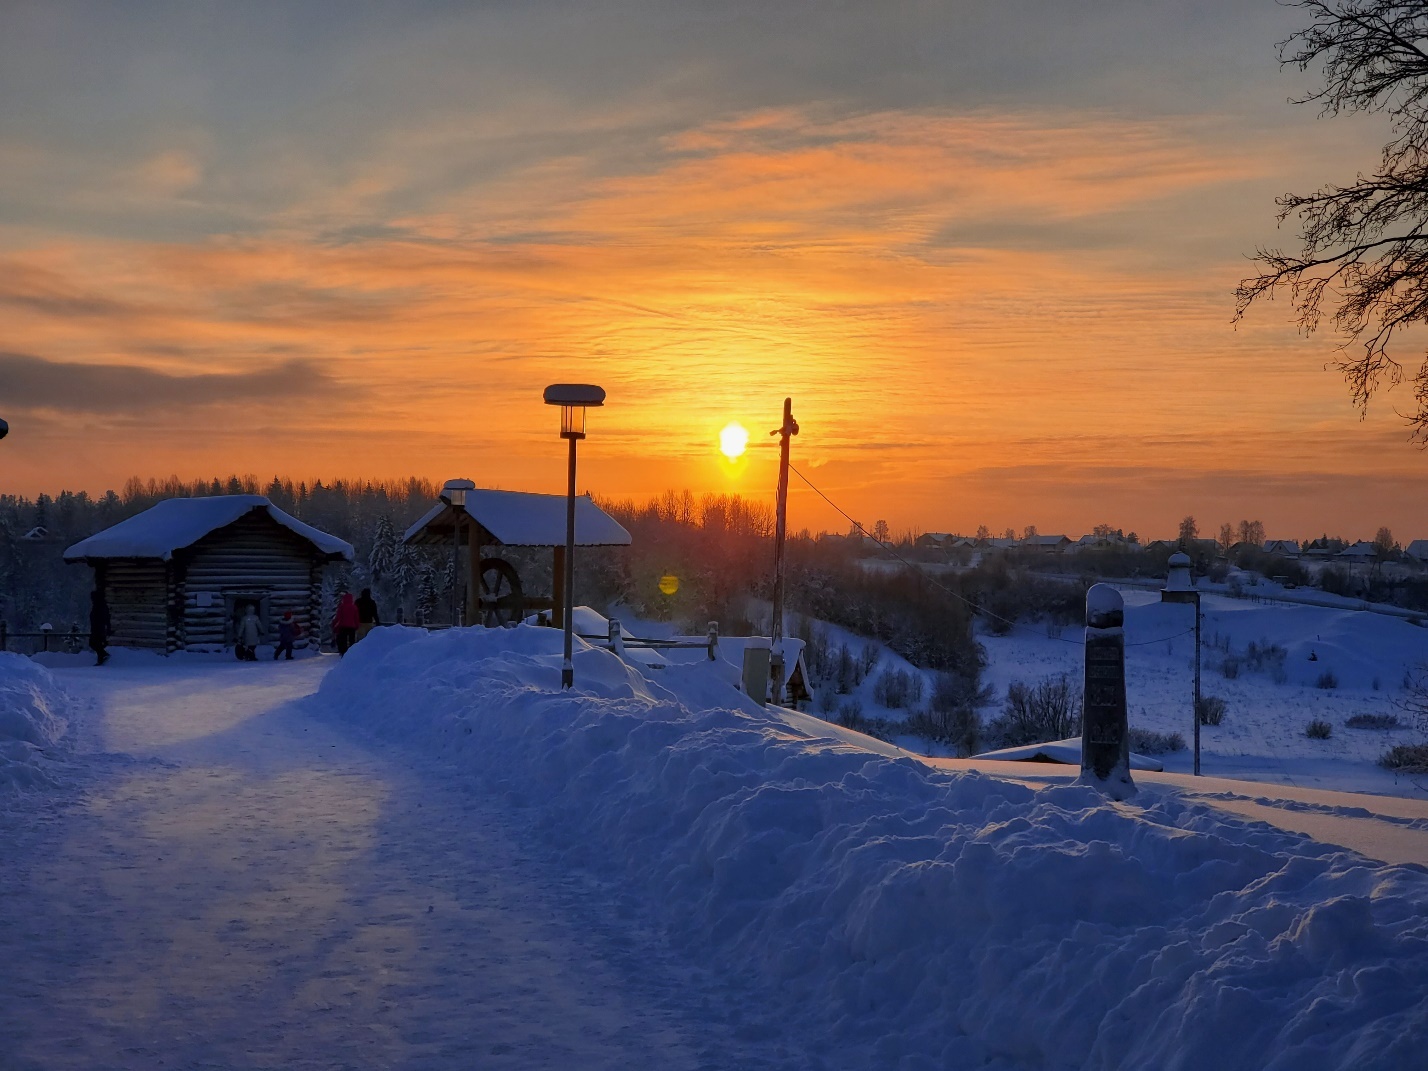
502, 603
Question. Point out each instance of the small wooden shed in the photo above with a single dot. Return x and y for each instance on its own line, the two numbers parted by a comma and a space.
476, 518
179, 576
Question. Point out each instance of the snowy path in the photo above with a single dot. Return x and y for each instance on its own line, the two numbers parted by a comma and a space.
238, 886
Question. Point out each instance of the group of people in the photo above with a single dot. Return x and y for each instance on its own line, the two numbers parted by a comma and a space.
353, 620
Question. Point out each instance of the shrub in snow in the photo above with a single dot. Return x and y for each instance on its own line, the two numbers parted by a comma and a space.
1230, 668
1212, 710
1326, 680
1406, 758
1415, 696
1318, 729
1150, 742
1264, 655
898, 689
951, 716
1049, 711
1374, 721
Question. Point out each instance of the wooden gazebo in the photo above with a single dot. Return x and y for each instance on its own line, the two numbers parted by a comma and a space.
479, 519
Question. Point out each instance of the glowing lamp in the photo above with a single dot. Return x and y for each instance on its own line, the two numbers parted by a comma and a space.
668, 584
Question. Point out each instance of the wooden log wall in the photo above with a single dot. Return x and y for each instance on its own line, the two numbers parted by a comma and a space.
138, 597
254, 557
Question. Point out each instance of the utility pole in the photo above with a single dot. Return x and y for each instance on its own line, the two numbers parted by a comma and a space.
1197, 684
786, 432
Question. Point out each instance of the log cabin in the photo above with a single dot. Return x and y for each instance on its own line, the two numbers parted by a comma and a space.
179, 576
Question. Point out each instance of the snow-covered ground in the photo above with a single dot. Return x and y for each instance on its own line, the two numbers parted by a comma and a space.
438, 859
1262, 736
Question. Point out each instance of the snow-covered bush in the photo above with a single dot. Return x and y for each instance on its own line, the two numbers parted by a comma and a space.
898, 689
1327, 680
950, 716
1230, 668
1150, 742
1212, 710
1318, 729
1049, 711
1374, 721
1406, 758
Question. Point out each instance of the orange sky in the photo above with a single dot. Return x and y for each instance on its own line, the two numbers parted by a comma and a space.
1008, 312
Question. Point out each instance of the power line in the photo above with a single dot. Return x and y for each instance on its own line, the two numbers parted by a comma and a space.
957, 595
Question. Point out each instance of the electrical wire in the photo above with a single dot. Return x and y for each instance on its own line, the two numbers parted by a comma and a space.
973, 607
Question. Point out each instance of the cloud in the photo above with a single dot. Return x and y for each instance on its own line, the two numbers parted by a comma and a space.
32, 383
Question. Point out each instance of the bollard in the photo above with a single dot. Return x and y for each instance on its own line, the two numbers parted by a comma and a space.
617, 638
1105, 737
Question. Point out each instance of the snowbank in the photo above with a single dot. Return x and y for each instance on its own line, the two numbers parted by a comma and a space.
901, 917
31, 722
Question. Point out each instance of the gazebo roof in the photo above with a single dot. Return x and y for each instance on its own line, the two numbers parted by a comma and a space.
176, 523
520, 519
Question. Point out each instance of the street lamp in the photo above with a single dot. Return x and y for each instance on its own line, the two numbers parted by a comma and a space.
4, 429
573, 399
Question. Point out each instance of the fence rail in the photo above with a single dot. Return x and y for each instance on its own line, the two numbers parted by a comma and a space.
72, 641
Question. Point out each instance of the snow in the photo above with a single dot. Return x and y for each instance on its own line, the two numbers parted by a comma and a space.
524, 519
1063, 751
900, 915
428, 855
1102, 600
176, 523
32, 724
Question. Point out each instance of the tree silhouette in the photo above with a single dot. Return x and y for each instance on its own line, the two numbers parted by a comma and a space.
1364, 255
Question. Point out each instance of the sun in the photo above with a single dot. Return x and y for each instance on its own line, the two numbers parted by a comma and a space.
733, 439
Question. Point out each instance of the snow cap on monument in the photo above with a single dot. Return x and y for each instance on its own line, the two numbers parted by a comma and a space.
1105, 608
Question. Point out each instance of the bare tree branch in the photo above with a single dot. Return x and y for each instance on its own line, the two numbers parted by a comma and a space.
1364, 255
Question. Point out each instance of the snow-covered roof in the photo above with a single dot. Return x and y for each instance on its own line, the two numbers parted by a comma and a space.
1417, 549
1361, 549
524, 519
176, 523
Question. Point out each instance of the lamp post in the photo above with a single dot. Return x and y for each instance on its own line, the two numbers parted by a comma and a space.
573, 399
454, 495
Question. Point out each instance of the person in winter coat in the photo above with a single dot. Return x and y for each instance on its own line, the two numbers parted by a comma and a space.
367, 617
99, 627
250, 632
288, 631
345, 622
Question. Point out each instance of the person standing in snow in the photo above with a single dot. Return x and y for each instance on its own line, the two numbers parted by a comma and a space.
345, 622
288, 631
99, 627
250, 631
367, 616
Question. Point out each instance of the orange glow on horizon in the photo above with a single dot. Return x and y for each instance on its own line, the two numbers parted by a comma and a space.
955, 304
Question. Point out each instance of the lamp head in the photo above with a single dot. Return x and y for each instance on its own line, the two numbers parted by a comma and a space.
4, 429
573, 399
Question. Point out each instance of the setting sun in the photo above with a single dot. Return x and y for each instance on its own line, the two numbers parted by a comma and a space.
733, 439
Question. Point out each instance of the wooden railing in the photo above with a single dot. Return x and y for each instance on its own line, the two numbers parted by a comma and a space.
617, 641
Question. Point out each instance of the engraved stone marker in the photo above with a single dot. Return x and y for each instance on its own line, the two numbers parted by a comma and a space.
1105, 743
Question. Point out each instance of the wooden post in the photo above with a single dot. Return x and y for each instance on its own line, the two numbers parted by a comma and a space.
473, 576
4, 635
788, 429
557, 611
1197, 684
713, 640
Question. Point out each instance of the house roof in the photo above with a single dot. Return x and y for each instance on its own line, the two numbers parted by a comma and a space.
176, 523
521, 519
1046, 540
1417, 549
